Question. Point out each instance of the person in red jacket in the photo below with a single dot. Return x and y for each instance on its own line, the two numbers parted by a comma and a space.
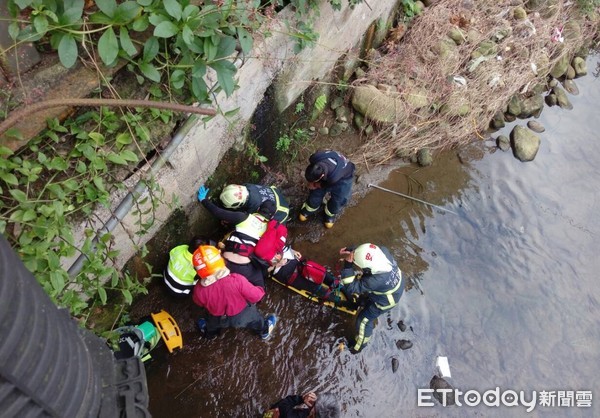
229, 298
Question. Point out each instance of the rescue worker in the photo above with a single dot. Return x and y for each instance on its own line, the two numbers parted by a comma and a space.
248, 197
239, 244
304, 406
380, 281
328, 172
179, 275
229, 299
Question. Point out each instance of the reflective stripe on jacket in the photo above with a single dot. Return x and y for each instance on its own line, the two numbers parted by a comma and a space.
383, 289
180, 275
257, 194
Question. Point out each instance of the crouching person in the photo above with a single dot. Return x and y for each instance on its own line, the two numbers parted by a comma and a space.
229, 298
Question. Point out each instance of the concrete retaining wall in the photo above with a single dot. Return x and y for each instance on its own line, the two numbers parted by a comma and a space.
204, 144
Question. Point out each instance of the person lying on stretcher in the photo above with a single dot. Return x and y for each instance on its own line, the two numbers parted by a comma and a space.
291, 268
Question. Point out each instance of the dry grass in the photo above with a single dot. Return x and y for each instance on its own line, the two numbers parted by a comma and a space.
415, 63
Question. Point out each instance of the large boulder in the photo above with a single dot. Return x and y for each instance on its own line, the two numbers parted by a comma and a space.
448, 55
514, 106
572, 31
531, 106
561, 67
525, 143
561, 98
375, 104
580, 66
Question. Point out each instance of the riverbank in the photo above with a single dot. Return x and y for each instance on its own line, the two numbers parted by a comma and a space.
389, 111
486, 280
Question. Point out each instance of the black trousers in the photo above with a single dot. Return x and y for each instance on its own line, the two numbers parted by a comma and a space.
249, 318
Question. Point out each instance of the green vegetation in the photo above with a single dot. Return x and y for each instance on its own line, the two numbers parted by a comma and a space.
588, 6
320, 103
411, 9
289, 142
58, 179
253, 153
171, 40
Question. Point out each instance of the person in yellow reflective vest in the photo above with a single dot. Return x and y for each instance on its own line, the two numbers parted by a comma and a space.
240, 243
380, 282
179, 275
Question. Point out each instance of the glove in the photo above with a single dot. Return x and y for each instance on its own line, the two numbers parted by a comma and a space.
202, 193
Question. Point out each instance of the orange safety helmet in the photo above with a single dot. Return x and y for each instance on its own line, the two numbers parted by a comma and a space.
207, 261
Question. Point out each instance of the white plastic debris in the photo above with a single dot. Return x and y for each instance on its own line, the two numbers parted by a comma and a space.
494, 80
534, 68
459, 80
443, 367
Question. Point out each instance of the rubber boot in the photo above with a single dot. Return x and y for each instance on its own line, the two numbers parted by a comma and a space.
303, 215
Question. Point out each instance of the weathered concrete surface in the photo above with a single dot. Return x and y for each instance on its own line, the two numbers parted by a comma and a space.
14, 59
202, 148
53, 82
340, 31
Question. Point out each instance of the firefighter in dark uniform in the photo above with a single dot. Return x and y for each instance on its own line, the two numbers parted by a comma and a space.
380, 283
328, 172
248, 198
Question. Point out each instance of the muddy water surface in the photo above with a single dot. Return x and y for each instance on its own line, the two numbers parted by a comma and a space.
506, 289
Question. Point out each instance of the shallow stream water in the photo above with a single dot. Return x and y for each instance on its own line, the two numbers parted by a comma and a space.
506, 289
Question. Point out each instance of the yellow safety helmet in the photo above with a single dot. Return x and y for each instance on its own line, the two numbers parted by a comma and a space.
207, 261
371, 259
168, 329
234, 196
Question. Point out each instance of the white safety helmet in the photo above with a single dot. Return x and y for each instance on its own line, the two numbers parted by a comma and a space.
370, 258
234, 195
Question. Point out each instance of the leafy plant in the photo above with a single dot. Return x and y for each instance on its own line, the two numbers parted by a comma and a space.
410, 8
254, 154
287, 143
305, 36
342, 86
185, 39
254, 176
283, 143
57, 180
320, 102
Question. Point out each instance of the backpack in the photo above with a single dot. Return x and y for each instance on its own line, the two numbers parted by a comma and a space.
312, 271
271, 242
